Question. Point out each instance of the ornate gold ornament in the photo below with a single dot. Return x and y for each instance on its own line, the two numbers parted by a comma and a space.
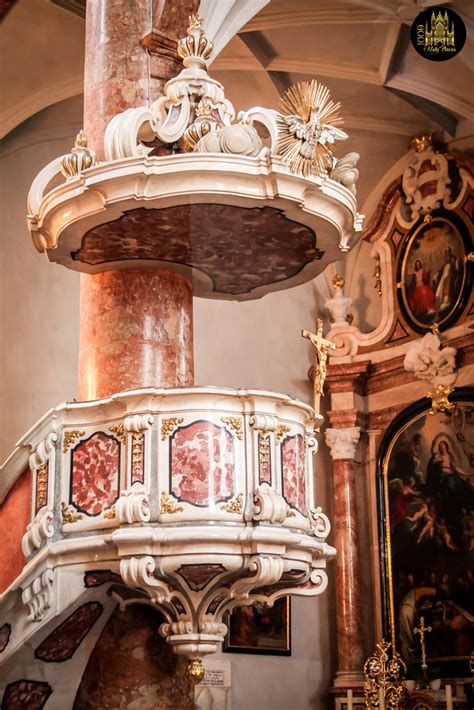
469, 257
378, 276
110, 513
137, 455
280, 432
307, 128
235, 505
168, 504
383, 678
235, 424
68, 513
195, 48
70, 437
422, 142
291, 514
42, 485
422, 630
264, 448
80, 158
439, 399
338, 282
168, 426
119, 431
195, 671
322, 348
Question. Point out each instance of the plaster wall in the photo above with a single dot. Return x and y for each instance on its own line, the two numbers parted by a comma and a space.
254, 344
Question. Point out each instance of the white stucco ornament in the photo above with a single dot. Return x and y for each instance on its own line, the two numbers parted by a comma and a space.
343, 442
428, 360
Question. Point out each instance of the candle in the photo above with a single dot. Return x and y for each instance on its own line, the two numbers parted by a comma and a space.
349, 700
382, 699
449, 698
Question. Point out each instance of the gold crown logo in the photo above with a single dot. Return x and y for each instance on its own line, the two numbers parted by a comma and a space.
195, 49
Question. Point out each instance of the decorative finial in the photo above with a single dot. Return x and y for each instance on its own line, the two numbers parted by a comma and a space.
338, 282
195, 49
195, 671
383, 677
80, 158
307, 130
422, 142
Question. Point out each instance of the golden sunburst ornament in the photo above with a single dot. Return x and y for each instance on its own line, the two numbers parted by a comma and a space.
307, 128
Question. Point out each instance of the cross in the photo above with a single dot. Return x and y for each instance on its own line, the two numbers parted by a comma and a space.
322, 347
422, 629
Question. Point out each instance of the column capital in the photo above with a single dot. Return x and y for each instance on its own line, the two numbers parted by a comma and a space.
342, 442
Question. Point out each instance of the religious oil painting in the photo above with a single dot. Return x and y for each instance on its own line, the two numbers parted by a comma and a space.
433, 273
260, 629
427, 477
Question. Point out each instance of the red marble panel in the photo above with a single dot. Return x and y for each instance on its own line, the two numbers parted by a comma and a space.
26, 695
136, 331
239, 249
198, 576
293, 471
63, 642
94, 578
95, 473
15, 514
132, 666
5, 632
202, 464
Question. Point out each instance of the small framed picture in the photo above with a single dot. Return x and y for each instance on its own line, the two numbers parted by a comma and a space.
260, 629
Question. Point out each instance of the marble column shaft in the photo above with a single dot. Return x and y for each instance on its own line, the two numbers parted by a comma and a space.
136, 331
136, 324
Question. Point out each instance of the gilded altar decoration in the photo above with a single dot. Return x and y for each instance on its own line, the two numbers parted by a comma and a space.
195, 671
235, 505
109, 514
378, 276
119, 431
42, 486
70, 438
168, 426
264, 460
80, 158
137, 457
322, 348
280, 432
235, 425
308, 128
168, 504
440, 399
383, 673
426, 478
69, 515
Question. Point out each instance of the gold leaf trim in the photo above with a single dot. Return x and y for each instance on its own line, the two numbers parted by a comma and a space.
41, 486
70, 438
235, 505
168, 426
168, 504
280, 432
119, 431
235, 424
109, 514
68, 513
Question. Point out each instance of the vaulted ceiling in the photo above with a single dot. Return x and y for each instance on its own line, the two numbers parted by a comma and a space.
359, 48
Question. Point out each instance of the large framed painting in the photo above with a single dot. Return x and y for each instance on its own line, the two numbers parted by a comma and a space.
434, 279
426, 509
260, 629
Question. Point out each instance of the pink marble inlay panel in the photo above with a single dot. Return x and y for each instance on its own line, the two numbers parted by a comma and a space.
202, 463
95, 473
293, 470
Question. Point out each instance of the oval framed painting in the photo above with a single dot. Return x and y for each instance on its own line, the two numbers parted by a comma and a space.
434, 272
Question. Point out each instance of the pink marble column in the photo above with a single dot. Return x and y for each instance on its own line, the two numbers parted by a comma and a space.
342, 444
136, 324
136, 331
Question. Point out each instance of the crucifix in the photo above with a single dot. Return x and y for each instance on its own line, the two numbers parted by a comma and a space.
322, 347
422, 630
